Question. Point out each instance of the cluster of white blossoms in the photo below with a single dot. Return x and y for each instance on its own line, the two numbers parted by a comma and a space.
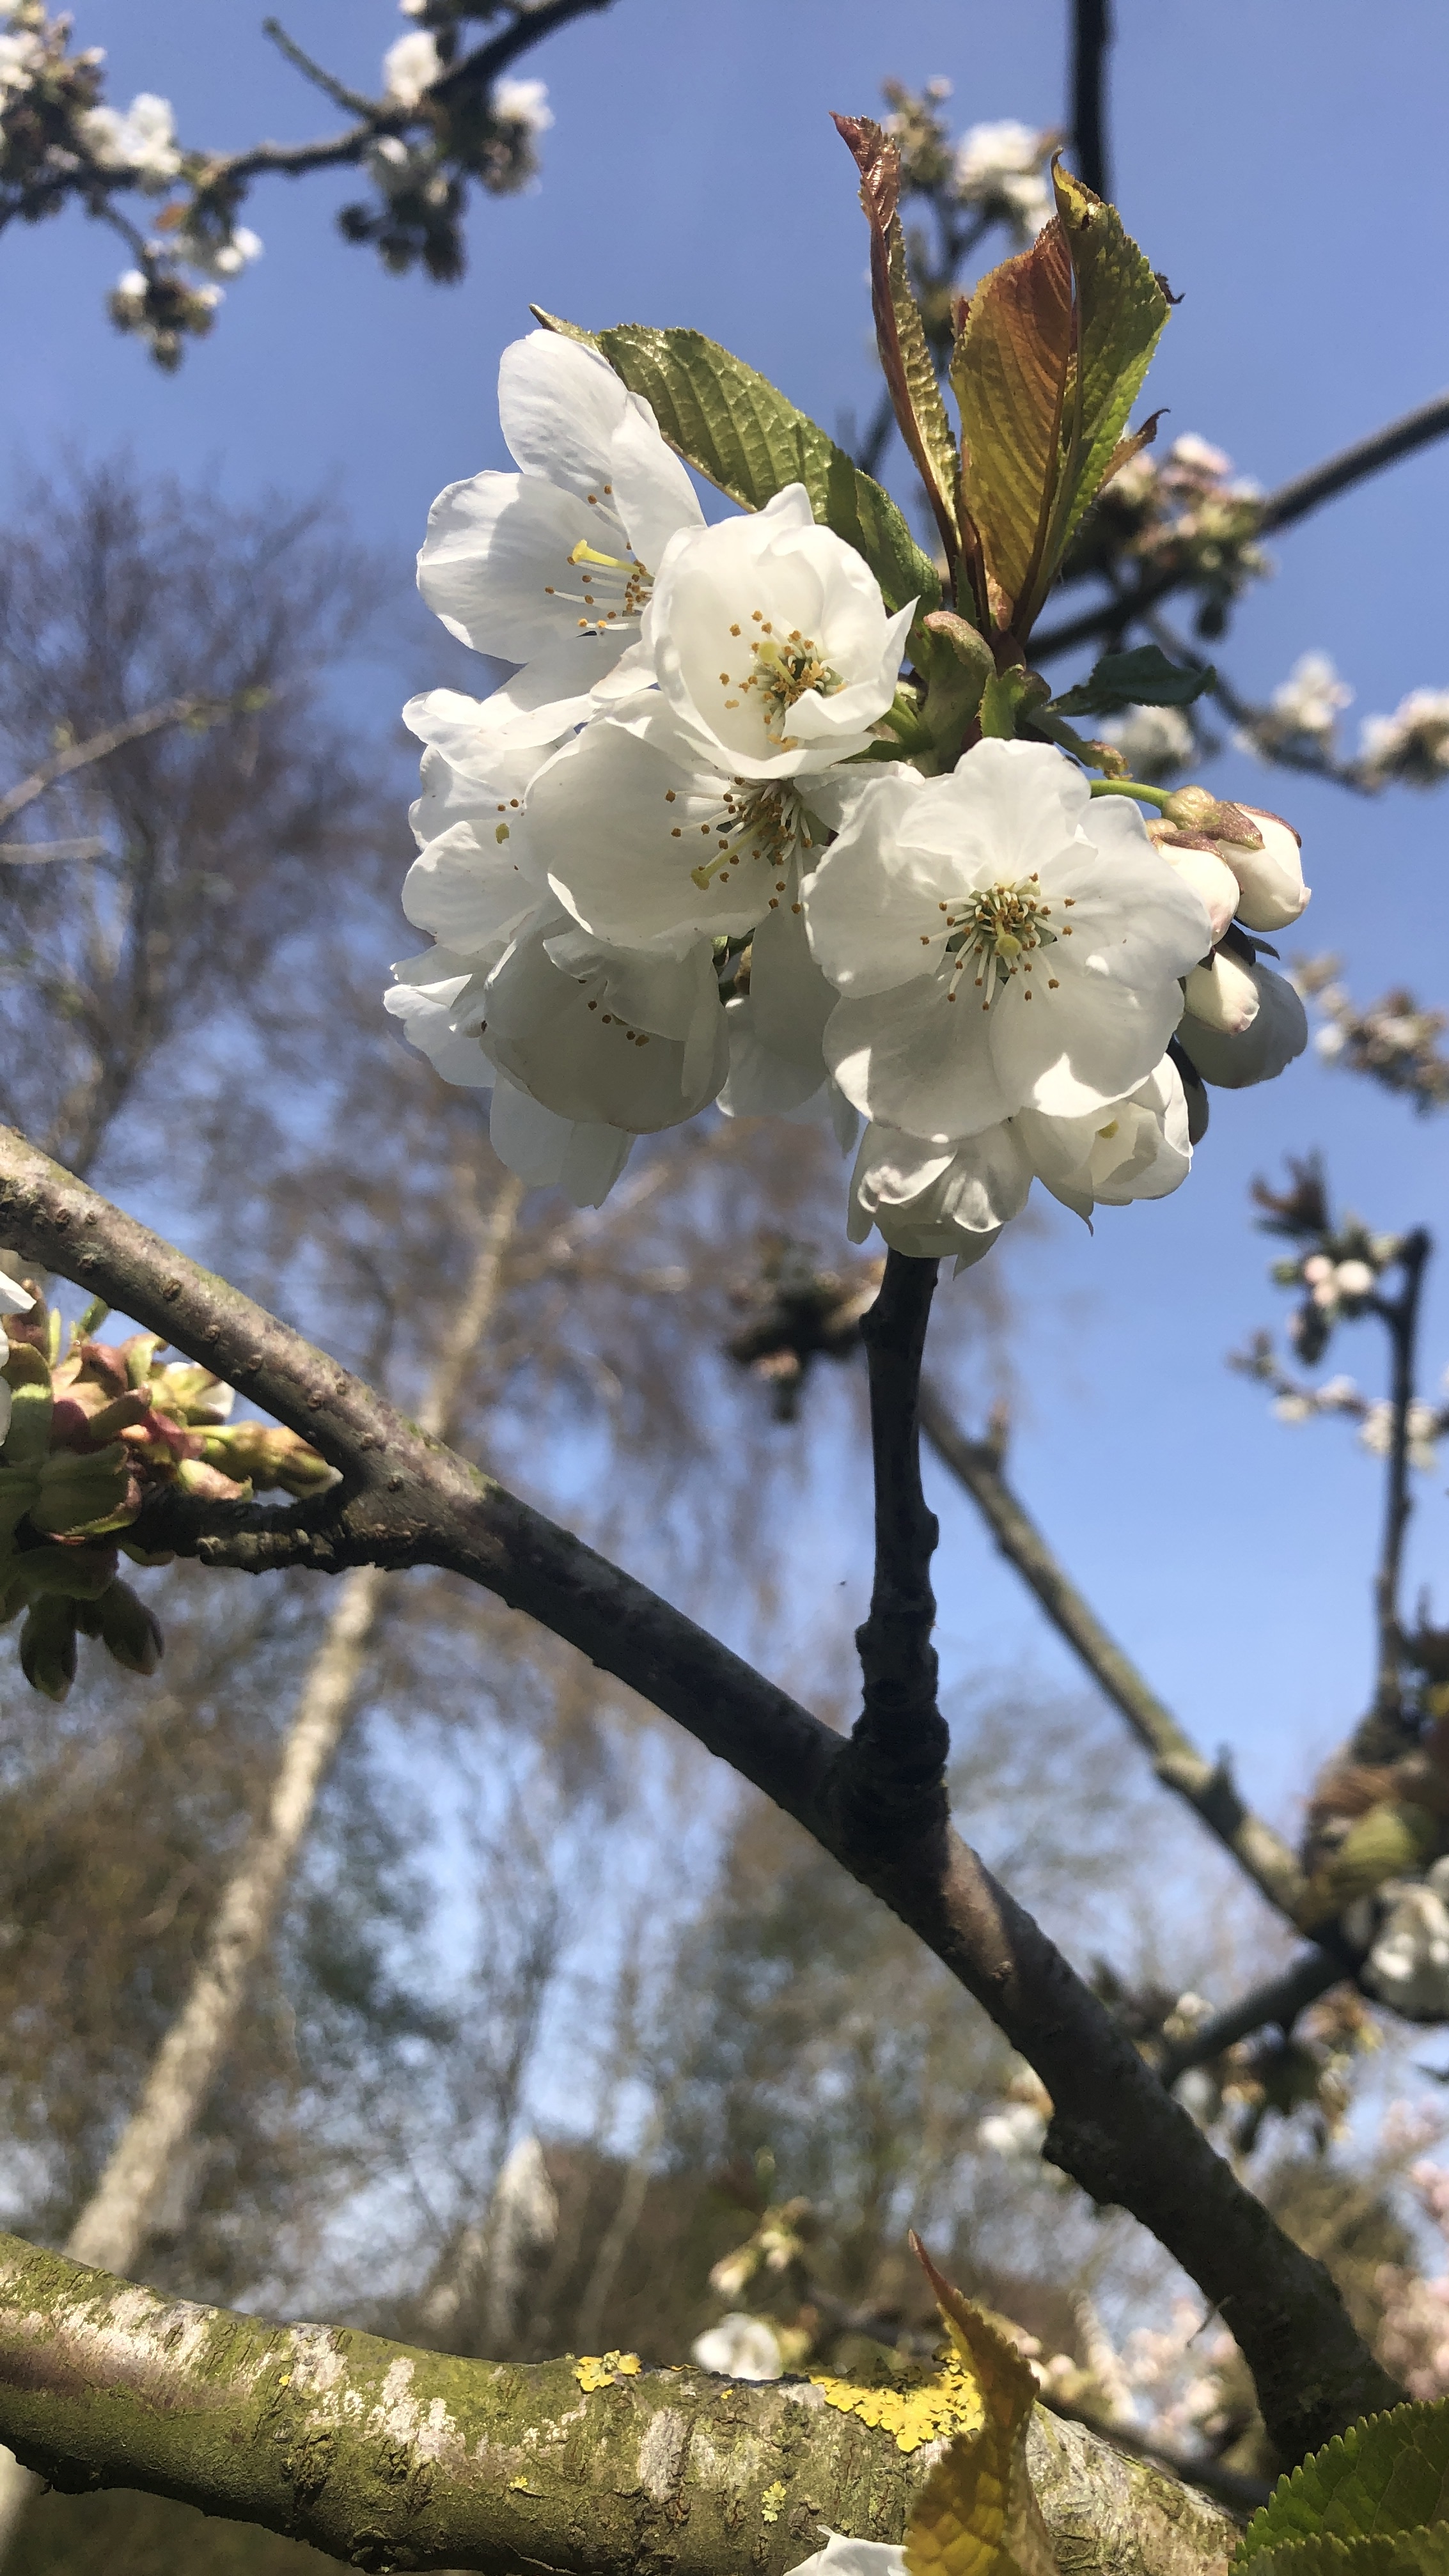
141, 140
1000, 168
677, 859
1410, 746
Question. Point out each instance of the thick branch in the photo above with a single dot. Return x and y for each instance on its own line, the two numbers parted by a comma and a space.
405, 1500
1206, 1786
386, 2457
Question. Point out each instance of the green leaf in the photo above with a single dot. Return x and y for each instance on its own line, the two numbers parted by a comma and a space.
1384, 2476
1142, 678
1010, 371
1121, 313
1424, 2552
743, 435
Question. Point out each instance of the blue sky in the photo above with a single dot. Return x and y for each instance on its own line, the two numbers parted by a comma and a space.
1281, 161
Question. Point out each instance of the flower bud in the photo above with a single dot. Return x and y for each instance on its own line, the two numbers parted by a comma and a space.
48, 1648
1222, 995
1354, 1279
1257, 1053
1197, 862
1273, 893
129, 1630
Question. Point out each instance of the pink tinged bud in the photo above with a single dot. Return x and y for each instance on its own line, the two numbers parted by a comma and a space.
1271, 879
1211, 879
1222, 995
1353, 1279
1317, 1268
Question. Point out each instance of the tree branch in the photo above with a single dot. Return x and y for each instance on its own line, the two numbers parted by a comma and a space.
386, 2457
1206, 1786
98, 746
1401, 1315
1278, 2002
406, 1500
1091, 41
1281, 509
896, 1766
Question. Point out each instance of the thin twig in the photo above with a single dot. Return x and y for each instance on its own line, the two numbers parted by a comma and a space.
405, 1500
1276, 2004
1401, 1315
1091, 42
98, 746
1280, 509
341, 96
1207, 1787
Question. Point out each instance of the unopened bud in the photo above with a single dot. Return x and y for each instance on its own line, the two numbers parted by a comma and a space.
1256, 1054
130, 1630
1222, 994
1195, 859
48, 1648
1193, 809
270, 1455
1270, 876
733, 2272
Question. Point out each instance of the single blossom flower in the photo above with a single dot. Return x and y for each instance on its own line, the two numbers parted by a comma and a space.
559, 559
770, 641
523, 102
143, 139
934, 1199
411, 66
649, 841
1277, 1032
1002, 941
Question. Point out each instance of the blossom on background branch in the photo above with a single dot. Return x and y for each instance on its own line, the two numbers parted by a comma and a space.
448, 115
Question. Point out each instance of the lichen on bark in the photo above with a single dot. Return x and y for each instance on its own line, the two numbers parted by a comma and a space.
388, 2458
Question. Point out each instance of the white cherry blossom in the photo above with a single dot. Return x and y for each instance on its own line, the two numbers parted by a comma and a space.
1276, 1034
1002, 941
771, 643
560, 556
411, 66
632, 1040
143, 139
523, 102
938, 1199
649, 842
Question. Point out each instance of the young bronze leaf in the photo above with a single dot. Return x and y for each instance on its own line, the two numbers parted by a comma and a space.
1121, 313
743, 435
900, 335
1384, 2476
1010, 374
977, 2514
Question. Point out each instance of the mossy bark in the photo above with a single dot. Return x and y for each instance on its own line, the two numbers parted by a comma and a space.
388, 2458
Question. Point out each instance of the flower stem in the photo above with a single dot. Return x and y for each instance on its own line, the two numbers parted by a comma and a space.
1157, 796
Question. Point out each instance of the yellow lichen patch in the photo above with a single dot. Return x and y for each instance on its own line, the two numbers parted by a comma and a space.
771, 2501
593, 2370
919, 2403
520, 2486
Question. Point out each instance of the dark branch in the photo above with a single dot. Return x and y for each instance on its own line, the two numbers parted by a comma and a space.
1401, 1315
898, 1752
99, 746
1281, 509
407, 1500
1091, 42
1274, 2005
1206, 1786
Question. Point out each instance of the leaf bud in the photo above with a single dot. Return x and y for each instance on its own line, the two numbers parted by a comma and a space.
269, 1454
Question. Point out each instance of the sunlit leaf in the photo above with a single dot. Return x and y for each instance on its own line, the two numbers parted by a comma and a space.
1010, 373
1385, 2476
1122, 310
905, 357
976, 2514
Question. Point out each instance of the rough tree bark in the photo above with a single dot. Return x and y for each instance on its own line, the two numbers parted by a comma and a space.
405, 1500
390, 2458
115, 2224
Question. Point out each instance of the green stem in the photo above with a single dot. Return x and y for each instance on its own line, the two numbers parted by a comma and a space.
1157, 796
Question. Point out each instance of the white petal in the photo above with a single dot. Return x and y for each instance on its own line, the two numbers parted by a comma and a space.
913, 1057
495, 564
583, 1159
652, 492
1138, 1150
1223, 994
476, 737
561, 406
776, 1031
619, 830
470, 893
14, 1300
874, 902
1273, 891
929, 1203
426, 1011
1211, 878
558, 1035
